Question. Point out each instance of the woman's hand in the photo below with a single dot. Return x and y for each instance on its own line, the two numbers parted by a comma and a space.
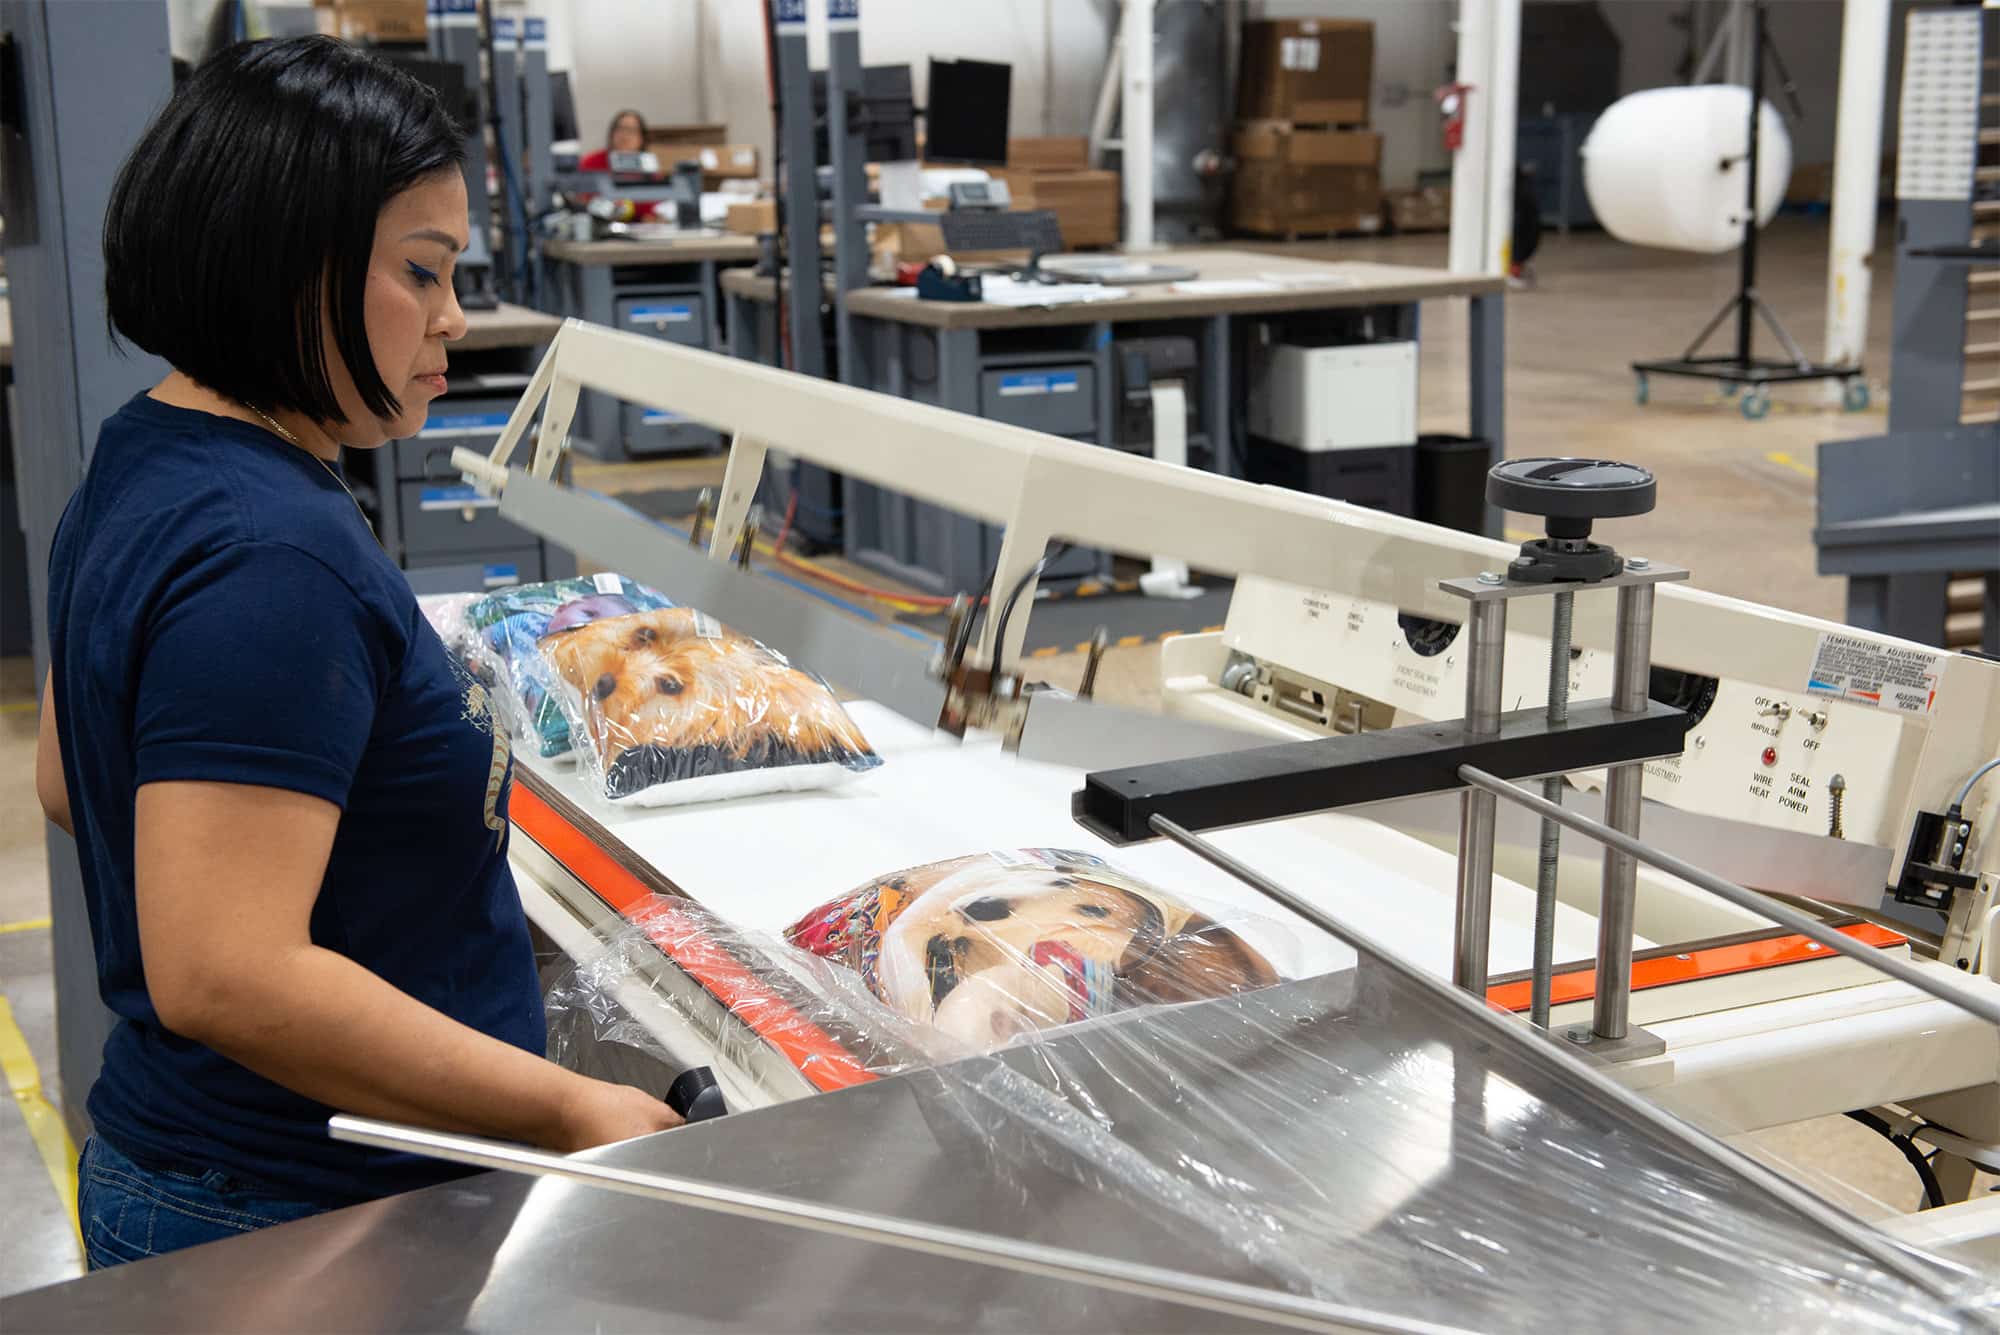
599, 1113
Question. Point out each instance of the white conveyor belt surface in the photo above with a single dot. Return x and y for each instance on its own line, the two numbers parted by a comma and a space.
762, 862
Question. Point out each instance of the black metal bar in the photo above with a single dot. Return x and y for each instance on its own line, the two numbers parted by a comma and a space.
1291, 779
1747, 280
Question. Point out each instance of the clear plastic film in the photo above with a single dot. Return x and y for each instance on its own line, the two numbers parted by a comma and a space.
669, 706
504, 631
1106, 1062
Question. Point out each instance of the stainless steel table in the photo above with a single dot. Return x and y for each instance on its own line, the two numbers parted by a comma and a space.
1347, 1137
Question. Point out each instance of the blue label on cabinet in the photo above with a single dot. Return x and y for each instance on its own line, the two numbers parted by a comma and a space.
790, 13
496, 576
659, 315
1017, 383
463, 497
655, 416
464, 424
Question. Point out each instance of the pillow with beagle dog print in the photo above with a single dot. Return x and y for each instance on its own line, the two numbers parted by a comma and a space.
995, 945
507, 627
671, 706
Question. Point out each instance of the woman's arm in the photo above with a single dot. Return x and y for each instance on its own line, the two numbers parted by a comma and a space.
227, 875
49, 785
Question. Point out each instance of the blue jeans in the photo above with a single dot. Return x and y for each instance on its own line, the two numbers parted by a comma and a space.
129, 1211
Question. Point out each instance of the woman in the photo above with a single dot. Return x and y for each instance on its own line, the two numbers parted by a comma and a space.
626, 134
290, 813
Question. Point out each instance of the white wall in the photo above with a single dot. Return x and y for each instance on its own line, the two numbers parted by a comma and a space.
704, 60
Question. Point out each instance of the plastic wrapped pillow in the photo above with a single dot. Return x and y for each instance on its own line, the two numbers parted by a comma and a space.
510, 624
995, 945
678, 708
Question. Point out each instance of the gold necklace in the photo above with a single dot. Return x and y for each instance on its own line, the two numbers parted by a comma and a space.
278, 427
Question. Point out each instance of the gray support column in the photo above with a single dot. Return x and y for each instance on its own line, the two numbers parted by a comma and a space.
539, 113
1909, 605
848, 148
1486, 355
1989, 615
1927, 328
59, 166
800, 190
1216, 334
455, 36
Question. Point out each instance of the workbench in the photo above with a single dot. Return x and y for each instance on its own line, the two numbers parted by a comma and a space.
662, 288
984, 358
446, 536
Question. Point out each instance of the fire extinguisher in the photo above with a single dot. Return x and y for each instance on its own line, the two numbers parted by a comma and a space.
1451, 106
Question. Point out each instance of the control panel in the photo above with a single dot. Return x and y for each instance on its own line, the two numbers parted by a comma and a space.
1755, 752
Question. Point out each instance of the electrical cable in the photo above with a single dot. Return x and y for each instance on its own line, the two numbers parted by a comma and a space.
1014, 596
909, 602
1933, 1192
1966, 791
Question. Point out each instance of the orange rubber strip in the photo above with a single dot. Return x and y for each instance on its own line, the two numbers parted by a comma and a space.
1713, 962
821, 1060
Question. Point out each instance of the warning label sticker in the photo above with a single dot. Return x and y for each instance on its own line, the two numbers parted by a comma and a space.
1889, 676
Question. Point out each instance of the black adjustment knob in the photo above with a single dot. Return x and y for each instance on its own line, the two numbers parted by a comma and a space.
1571, 489
1569, 495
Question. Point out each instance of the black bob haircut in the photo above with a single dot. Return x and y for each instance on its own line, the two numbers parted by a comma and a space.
250, 204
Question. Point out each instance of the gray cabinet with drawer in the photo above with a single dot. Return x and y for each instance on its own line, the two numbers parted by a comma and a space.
673, 317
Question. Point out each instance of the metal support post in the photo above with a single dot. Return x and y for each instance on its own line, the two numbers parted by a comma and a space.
800, 290
848, 150
1473, 922
1631, 666
1552, 789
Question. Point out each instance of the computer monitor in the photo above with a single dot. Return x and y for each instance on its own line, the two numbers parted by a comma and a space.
966, 112
888, 114
562, 107
448, 79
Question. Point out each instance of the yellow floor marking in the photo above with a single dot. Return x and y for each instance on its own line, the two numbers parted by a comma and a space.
19, 706
1521, 534
24, 925
1783, 460
45, 1124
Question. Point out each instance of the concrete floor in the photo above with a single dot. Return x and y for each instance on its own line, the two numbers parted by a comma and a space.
1736, 506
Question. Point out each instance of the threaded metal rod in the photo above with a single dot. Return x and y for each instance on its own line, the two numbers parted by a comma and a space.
1542, 982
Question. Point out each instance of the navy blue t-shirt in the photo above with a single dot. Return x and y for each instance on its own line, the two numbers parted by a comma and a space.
218, 610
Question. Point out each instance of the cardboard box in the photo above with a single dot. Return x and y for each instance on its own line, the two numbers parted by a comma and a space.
1085, 202
1306, 71
658, 135
752, 217
1055, 152
728, 161
1293, 182
1279, 141
1811, 183
1427, 209
372, 20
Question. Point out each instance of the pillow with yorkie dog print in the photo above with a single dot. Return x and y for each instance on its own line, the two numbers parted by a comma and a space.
505, 630
671, 706
991, 946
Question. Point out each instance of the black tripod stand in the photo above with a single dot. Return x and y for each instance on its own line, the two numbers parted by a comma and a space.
1742, 369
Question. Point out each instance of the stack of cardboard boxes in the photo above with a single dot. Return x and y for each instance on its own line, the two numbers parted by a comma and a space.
401, 21
1053, 172
1306, 163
